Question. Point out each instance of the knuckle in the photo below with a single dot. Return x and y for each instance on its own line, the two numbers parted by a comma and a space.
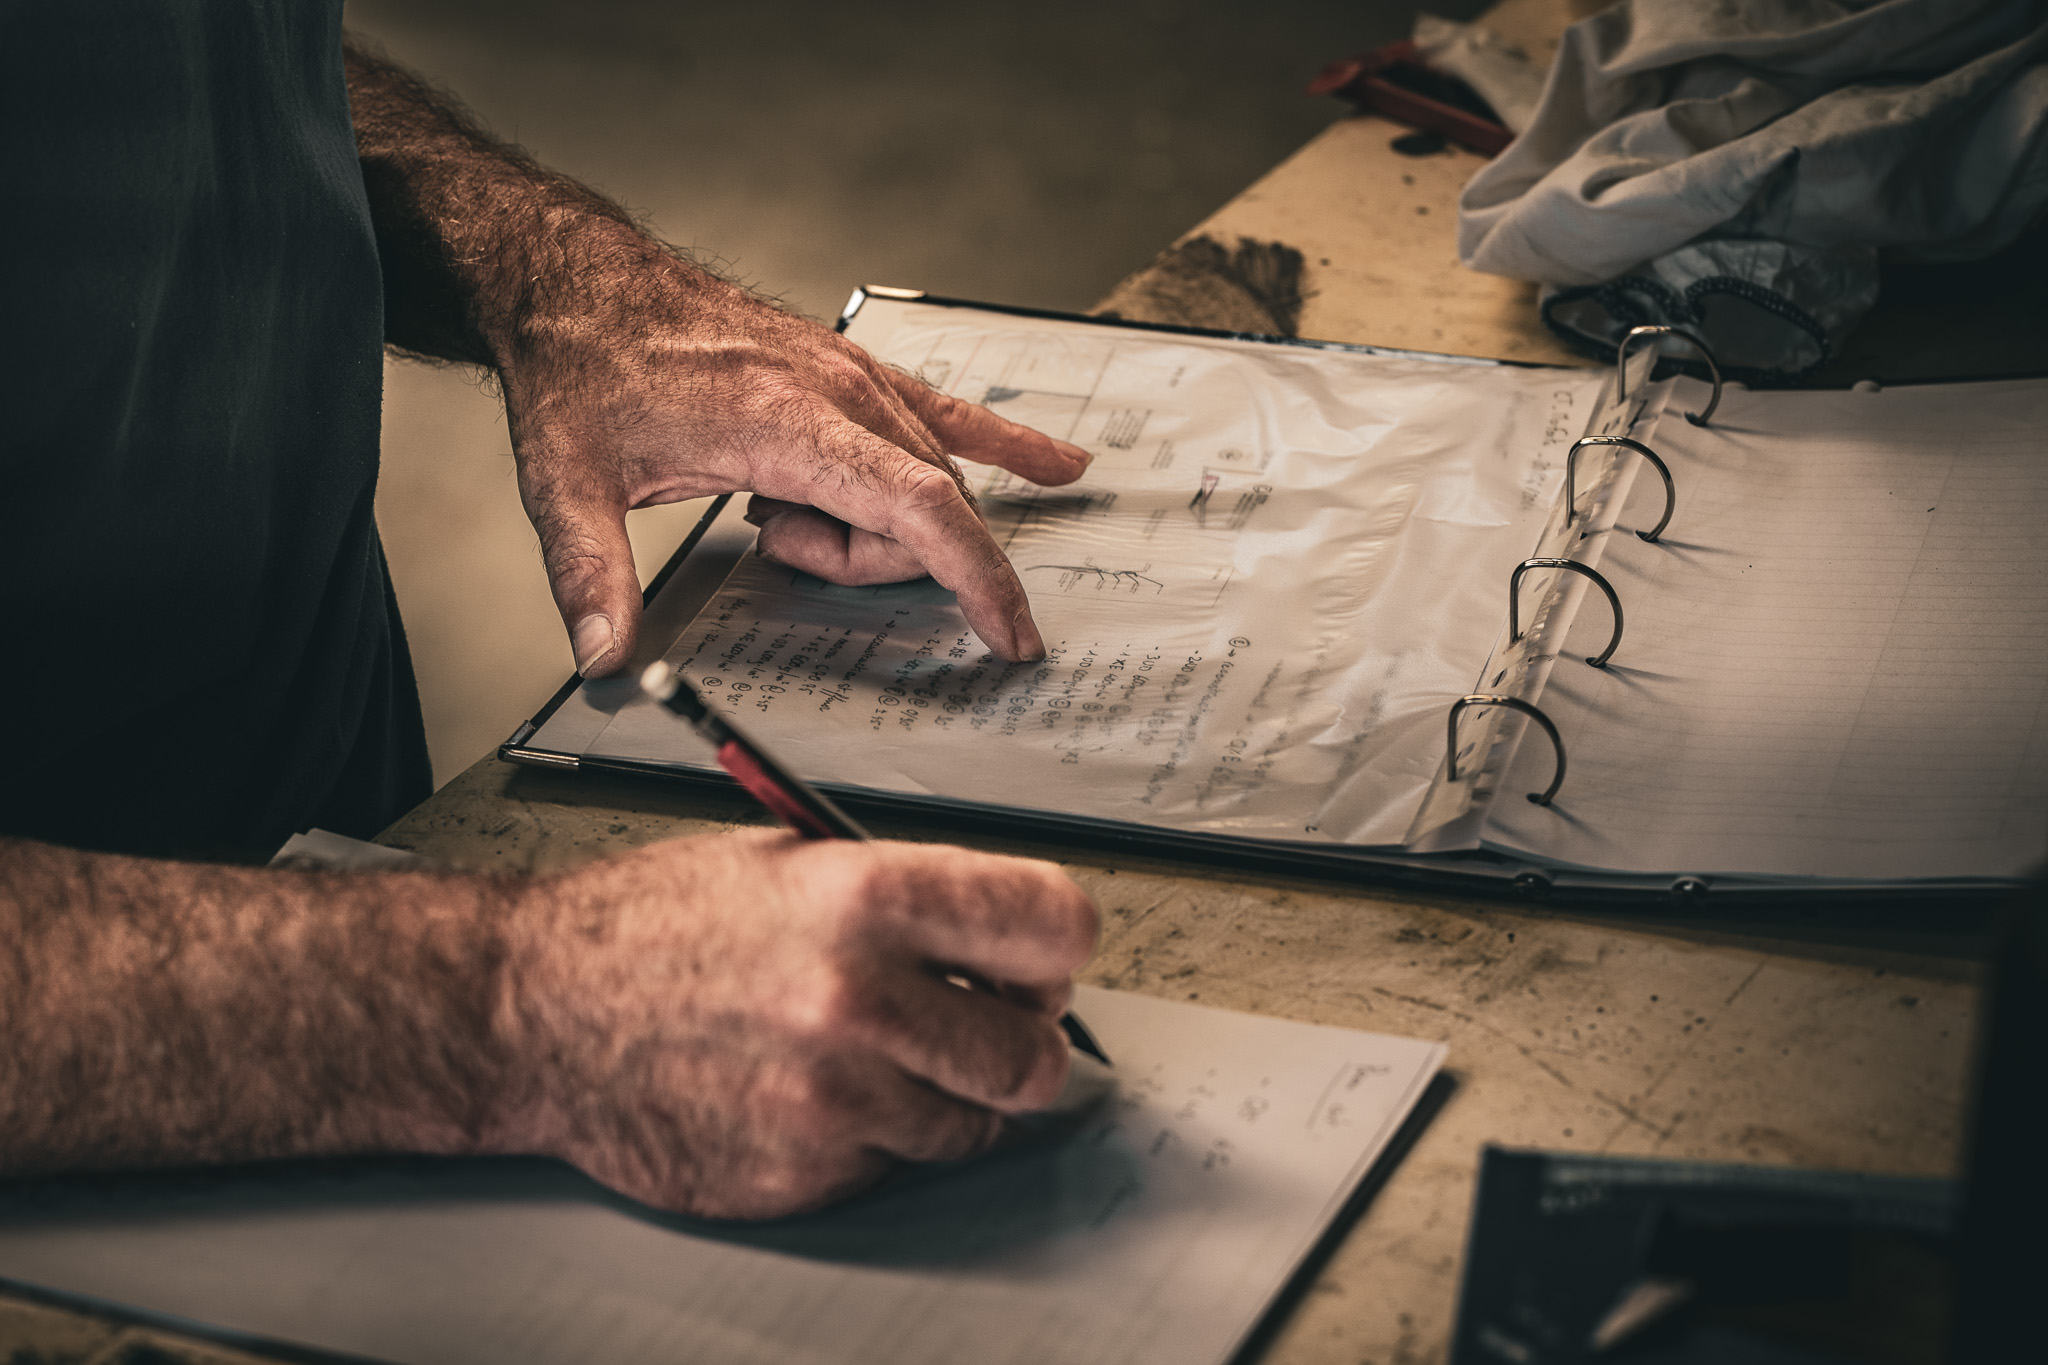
962, 416
766, 367
911, 383
812, 1104
567, 537
828, 1004
1084, 924
845, 372
1019, 1065
1068, 922
833, 874
879, 888
1039, 1073
783, 1187
927, 488
790, 410
970, 1131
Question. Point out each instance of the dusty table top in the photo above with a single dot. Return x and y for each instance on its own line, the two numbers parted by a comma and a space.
1811, 1046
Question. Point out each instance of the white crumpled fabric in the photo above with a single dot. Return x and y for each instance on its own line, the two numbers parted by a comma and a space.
1736, 166
1500, 72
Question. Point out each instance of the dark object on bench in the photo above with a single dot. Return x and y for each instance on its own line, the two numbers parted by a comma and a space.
1396, 82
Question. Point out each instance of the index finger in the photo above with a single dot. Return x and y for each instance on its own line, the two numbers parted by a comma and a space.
1009, 921
970, 431
878, 486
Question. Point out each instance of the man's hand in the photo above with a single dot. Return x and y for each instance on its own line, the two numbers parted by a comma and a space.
738, 1025
675, 385
751, 1024
634, 377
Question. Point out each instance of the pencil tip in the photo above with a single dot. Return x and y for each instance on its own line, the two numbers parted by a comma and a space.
658, 681
1081, 1040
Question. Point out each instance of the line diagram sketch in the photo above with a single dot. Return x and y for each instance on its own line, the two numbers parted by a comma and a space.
1076, 577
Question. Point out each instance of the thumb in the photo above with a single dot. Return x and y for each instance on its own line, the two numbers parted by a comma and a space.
590, 571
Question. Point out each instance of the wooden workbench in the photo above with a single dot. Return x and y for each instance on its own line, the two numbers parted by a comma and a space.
1810, 1044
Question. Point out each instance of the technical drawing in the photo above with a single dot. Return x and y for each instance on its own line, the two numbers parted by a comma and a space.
1074, 577
1123, 427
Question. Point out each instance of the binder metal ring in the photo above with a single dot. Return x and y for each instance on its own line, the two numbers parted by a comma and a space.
1516, 704
1698, 419
1571, 463
1599, 581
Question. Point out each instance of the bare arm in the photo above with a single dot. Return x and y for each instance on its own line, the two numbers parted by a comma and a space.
477, 239
737, 1025
155, 1012
632, 376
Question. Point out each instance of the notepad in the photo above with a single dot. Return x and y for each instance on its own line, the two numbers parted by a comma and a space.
1160, 1231
1289, 563
1836, 662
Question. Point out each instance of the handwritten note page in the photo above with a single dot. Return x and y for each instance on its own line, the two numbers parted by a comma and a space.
1256, 602
1158, 1232
1836, 663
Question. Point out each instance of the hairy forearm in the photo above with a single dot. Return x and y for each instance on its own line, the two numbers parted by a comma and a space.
633, 377
485, 251
157, 1013
734, 1025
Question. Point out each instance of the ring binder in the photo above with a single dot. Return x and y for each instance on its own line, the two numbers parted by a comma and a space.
1646, 809
1698, 419
1571, 497
1515, 704
1599, 581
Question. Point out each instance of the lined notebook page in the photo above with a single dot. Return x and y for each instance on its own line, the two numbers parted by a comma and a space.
1156, 1233
1835, 664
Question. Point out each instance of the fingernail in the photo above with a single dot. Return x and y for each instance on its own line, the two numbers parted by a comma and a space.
1085, 457
1030, 644
592, 639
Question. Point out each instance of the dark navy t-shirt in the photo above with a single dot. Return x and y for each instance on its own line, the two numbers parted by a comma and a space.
203, 652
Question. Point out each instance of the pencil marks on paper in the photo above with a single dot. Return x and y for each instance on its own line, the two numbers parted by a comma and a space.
1127, 582
1265, 538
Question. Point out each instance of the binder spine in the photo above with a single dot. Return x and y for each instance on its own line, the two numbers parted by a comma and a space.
1519, 670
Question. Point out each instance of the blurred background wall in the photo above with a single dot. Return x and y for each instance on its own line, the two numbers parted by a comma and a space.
1020, 153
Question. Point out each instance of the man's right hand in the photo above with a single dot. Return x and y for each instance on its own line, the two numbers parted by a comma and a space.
740, 1025
747, 1025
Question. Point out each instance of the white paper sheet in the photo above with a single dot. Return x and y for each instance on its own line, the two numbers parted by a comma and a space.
1158, 1233
1282, 566
1836, 663
325, 849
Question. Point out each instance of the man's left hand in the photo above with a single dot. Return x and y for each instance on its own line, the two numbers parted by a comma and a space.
634, 377
694, 387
